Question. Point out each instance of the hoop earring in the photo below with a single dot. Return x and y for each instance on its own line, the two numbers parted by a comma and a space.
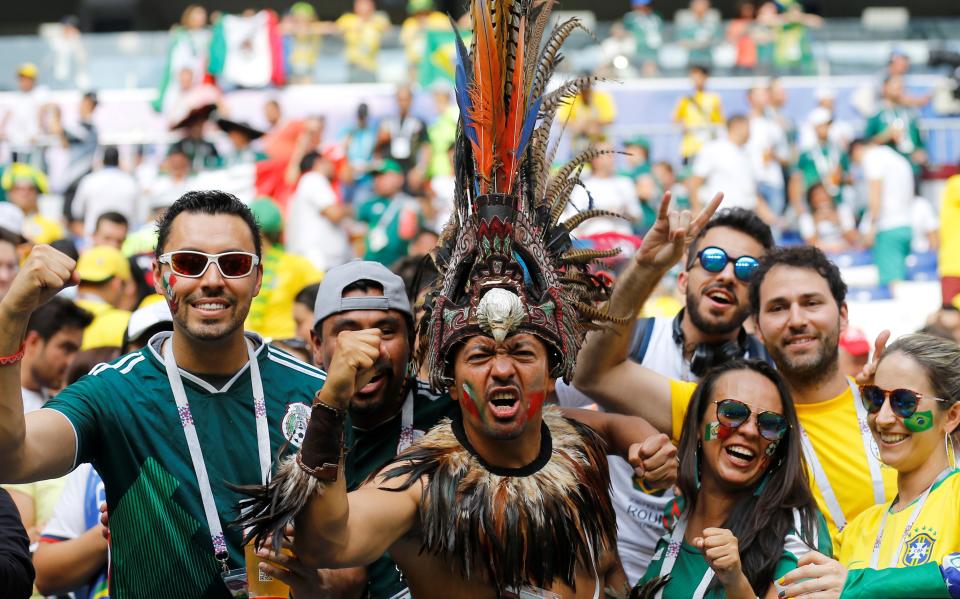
951, 454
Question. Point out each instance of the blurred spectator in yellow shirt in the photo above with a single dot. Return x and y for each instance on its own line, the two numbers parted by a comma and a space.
23, 185
284, 275
413, 32
588, 115
104, 281
950, 240
698, 113
362, 30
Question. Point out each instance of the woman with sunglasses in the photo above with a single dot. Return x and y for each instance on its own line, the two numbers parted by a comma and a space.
746, 514
913, 408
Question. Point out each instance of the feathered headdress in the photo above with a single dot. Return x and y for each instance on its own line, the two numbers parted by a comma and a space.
506, 261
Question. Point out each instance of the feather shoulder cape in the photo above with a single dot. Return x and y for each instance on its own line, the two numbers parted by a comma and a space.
535, 525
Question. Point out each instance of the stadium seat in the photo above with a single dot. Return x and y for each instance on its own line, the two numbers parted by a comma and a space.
869, 294
850, 259
922, 267
885, 18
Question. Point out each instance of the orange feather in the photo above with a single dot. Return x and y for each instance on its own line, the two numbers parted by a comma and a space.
513, 124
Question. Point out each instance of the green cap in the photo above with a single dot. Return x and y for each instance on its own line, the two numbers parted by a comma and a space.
637, 140
303, 9
419, 5
388, 166
267, 214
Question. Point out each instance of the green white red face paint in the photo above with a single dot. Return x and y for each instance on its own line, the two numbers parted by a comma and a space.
168, 280
472, 403
715, 431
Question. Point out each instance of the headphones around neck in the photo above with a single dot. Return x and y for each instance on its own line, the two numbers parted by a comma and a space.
707, 355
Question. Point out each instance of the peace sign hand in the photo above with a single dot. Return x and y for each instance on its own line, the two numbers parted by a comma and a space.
672, 233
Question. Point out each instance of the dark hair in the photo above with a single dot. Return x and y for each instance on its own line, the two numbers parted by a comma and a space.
308, 160
860, 141
92, 97
762, 518
207, 202
58, 314
308, 295
144, 336
114, 217
85, 360
702, 68
801, 256
111, 156
739, 219
811, 189
66, 246
418, 272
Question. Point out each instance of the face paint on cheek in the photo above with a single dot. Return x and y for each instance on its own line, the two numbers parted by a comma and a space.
919, 422
712, 432
169, 280
724, 432
469, 399
771, 449
536, 397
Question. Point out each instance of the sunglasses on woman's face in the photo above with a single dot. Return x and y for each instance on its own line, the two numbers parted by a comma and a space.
733, 414
714, 260
903, 402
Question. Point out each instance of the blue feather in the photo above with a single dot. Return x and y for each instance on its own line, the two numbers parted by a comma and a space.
529, 120
462, 89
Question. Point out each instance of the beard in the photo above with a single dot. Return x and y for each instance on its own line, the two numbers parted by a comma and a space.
804, 371
203, 330
719, 327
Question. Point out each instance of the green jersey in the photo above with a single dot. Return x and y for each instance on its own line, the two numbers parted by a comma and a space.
393, 223
375, 447
690, 568
128, 427
826, 164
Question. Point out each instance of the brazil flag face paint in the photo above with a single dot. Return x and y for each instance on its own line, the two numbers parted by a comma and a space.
919, 421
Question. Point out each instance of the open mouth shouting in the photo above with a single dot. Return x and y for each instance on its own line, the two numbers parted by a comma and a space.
374, 385
720, 297
739, 456
503, 403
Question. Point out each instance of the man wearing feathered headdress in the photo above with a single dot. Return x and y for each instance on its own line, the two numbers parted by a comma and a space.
509, 498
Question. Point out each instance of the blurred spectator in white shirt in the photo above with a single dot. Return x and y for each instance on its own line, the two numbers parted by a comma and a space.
316, 224
109, 189
604, 189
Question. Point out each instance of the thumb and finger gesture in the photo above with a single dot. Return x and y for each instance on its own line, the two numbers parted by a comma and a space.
865, 376
673, 231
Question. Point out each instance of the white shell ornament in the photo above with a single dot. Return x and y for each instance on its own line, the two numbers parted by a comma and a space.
499, 312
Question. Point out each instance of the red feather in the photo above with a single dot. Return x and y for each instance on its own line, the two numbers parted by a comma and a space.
513, 124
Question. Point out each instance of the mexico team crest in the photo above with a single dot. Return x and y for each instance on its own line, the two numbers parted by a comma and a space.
918, 549
294, 424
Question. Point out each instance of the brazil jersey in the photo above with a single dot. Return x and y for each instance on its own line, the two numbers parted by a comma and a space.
375, 447
127, 426
934, 535
689, 569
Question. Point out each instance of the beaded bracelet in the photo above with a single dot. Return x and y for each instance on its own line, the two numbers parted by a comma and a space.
12, 359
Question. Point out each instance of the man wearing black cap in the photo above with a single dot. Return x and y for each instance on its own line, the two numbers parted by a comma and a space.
241, 135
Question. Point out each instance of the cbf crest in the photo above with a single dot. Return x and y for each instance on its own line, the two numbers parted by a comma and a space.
294, 423
919, 548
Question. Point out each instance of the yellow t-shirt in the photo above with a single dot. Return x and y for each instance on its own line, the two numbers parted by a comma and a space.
412, 33
284, 275
934, 535
40, 229
950, 229
108, 326
601, 108
834, 432
698, 114
362, 38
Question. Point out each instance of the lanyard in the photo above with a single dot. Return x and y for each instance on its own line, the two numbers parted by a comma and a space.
820, 475
193, 442
670, 559
406, 423
875, 558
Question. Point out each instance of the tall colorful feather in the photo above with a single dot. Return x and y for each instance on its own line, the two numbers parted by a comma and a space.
463, 80
512, 128
486, 93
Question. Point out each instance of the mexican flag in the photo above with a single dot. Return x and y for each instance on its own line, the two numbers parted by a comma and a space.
247, 51
187, 50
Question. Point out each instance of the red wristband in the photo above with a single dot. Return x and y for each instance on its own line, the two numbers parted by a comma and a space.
12, 359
